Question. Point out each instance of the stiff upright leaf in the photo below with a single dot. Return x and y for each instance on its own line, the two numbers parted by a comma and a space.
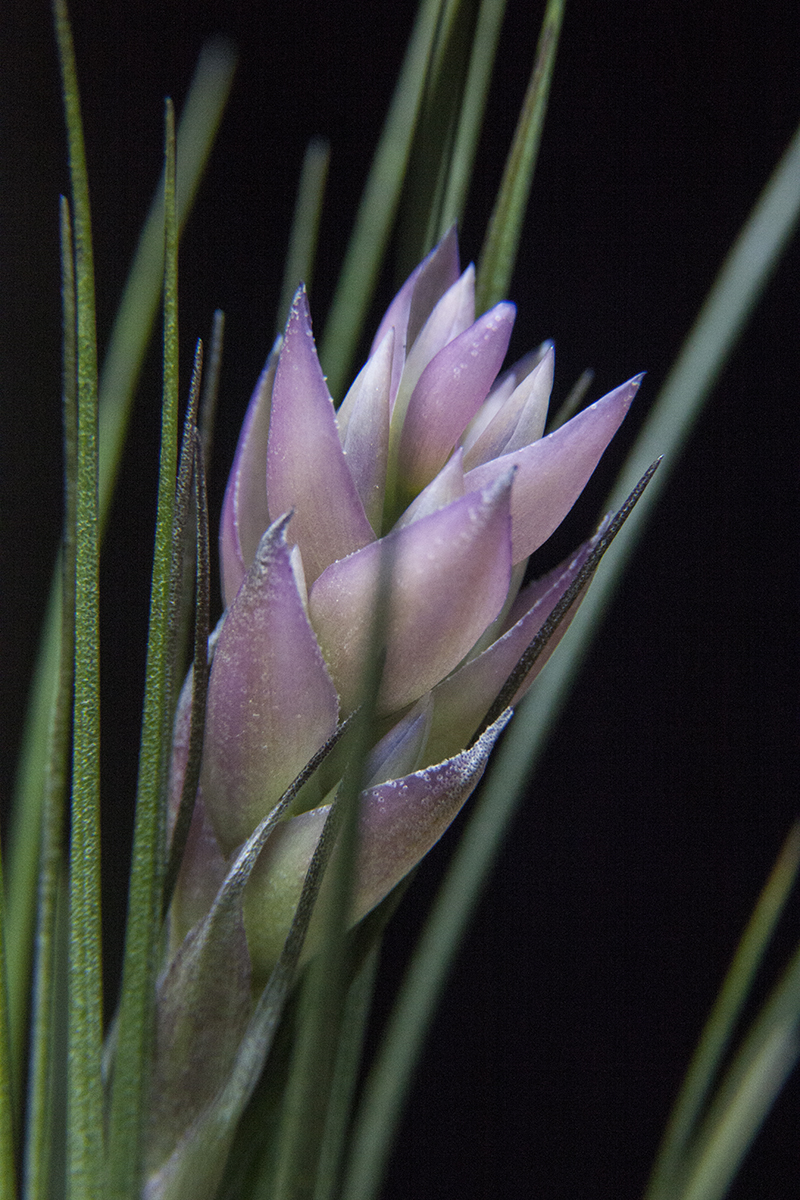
378, 205
129, 339
131, 1070
43, 1065
84, 1030
499, 250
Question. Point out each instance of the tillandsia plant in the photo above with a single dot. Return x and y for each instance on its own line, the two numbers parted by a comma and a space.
381, 623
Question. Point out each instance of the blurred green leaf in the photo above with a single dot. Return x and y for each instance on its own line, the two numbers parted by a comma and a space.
501, 243
133, 325
470, 115
745, 1095
378, 207
432, 145
717, 1037
299, 266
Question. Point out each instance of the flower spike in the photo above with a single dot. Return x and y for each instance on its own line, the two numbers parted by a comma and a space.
434, 471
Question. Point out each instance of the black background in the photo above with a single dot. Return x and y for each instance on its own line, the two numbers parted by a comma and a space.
663, 799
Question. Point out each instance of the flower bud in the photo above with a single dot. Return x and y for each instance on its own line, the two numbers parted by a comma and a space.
437, 467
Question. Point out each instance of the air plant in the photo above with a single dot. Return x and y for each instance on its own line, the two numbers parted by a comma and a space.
380, 630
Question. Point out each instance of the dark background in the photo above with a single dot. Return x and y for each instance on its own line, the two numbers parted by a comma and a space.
663, 799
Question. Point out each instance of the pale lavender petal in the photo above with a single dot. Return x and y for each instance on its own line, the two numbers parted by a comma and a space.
450, 391
520, 419
245, 515
450, 576
363, 424
462, 700
400, 821
434, 275
553, 472
453, 315
306, 467
271, 703
400, 751
441, 491
440, 270
502, 389
179, 753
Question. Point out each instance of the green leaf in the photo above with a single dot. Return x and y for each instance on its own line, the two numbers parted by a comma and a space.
200, 669
39, 1130
432, 146
746, 1094
133, 325
499, 251
378, 206
344, 1079
84, 1033
131, 1069
471, 110
720, 1028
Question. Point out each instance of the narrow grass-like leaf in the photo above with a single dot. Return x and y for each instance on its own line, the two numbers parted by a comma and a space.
130, 336
85, 1016
8, 1169
499, 250
432, 146
746, 1094
25, 832
305, 226
470, 117
722, 1021
378, 205
40, 1113
252, 1157
321, 1010
345, 1076
130, 1077
184, 534
732, 297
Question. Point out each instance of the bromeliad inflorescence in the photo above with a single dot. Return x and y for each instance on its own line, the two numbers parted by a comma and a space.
433, 474
434, 460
